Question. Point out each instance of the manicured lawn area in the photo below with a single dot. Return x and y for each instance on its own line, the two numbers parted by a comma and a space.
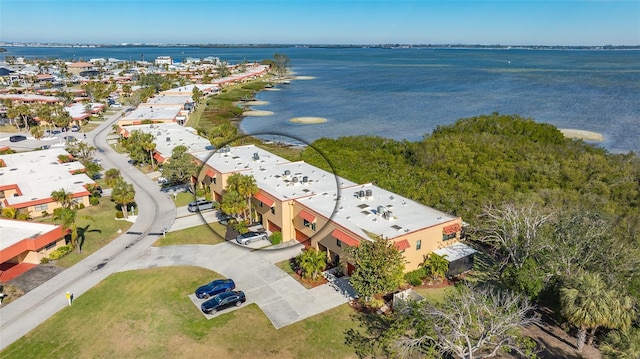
184, 198
203, 234
99, 231
147, 314
434, 295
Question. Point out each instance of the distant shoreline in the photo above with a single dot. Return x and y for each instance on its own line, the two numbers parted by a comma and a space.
582, 135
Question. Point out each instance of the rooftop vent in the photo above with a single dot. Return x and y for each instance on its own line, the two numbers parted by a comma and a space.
369, 193
287, 172
295, 179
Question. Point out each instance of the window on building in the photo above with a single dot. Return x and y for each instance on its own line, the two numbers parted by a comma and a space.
418, 244
309, 224
273, 210
446, 237
213, 179
338, 243
41, 207
50, 245
260, 205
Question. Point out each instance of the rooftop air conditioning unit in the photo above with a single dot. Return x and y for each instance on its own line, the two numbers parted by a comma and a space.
287, 172
369, 193
168, 139
305, 179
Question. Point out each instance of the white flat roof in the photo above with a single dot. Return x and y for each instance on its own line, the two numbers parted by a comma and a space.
38, 173
240, 158
455, 251
188, 89
169, 135
153, 113
364, 214
12, 231
296, 179
167, 100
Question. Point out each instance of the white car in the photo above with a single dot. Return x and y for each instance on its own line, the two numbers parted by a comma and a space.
251, 237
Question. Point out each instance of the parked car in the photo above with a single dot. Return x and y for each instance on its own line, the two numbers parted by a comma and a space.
251, 237
116, 105
75, 128
200, 205
215, 287
17, 138
222, 301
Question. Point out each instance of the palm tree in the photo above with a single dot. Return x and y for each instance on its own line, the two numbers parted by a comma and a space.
63, 197
123, 194
112, 176
21, 112
436, 265
622, 344
588, 304
246, 187
312, 262
232, 203
66, 217
148, 145
13, 213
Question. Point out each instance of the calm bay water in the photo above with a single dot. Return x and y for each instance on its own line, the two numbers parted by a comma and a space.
406, 93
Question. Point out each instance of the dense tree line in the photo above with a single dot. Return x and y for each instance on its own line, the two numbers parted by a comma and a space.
545, 209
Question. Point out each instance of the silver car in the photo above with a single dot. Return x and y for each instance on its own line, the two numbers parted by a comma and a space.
251, 237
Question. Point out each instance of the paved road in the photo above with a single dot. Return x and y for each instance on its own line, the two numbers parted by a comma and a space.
156, 211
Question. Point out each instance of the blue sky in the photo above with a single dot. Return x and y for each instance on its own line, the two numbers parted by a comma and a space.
514, 22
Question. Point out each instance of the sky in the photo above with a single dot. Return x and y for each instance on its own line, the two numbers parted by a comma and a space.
485, 22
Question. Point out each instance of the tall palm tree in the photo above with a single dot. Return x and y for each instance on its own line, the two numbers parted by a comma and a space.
123, 194
587, 303
246, 187
312, 262
232, 203
149, 145
67, 217
436, 265
63, 197
112, 176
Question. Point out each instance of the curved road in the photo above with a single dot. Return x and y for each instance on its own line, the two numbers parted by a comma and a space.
156, 210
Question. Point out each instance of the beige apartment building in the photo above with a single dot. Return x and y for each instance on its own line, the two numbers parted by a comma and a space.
328, 212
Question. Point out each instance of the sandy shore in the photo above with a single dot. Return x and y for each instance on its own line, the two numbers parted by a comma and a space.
582, 135
257, 113
256, 103
308, 120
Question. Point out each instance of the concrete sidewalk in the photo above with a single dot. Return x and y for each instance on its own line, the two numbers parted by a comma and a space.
279, 296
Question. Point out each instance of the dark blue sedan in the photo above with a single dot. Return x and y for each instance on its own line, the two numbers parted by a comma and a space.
215, 287
223, 300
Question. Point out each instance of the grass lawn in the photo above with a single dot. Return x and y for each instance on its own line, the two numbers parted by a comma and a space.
184, 198
434, 295
203, 234
99, 231
147, 314
9, 129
